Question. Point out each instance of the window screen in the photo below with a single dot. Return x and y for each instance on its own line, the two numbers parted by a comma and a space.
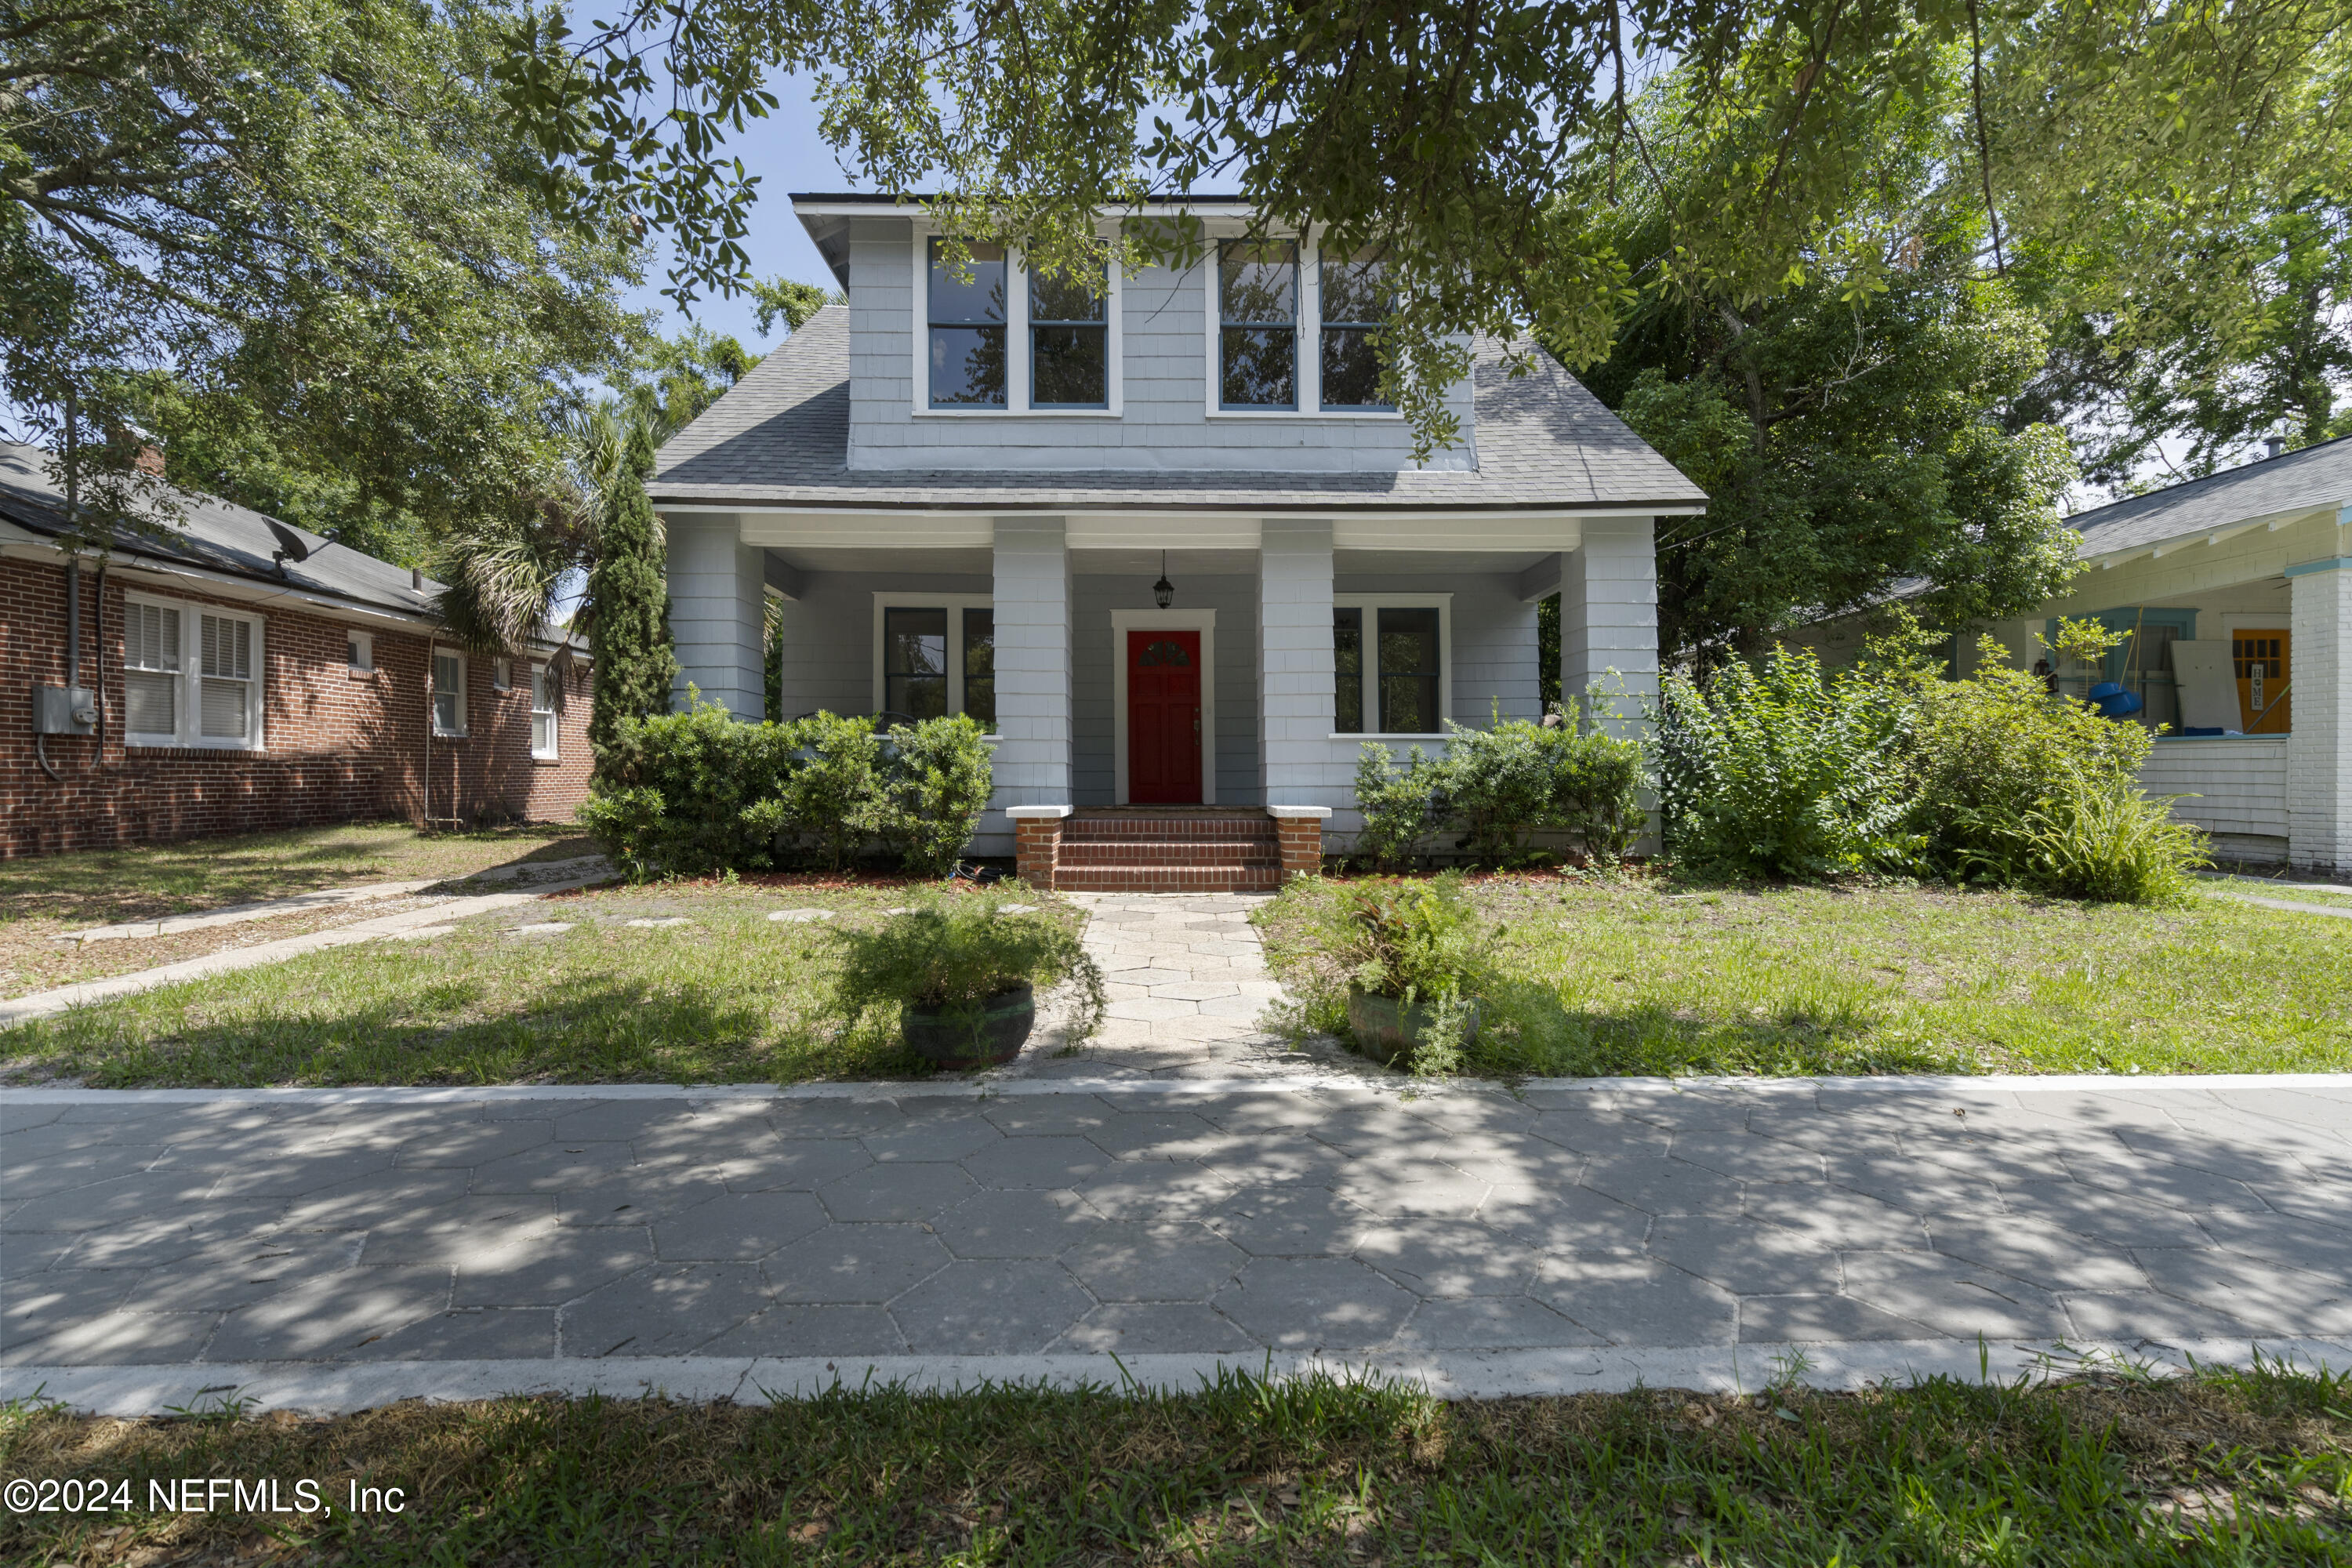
1257, 307
914, 662
1355, 304
448, 693
967, 325
980, 666
151, 659
1407, 672
225, 694
1347, 659
1069, 341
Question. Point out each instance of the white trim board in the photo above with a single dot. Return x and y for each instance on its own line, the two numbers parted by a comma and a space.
1202, 621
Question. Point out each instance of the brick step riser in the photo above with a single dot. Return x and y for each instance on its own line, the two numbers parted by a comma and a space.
1164, 879
1241, 832
1090, 856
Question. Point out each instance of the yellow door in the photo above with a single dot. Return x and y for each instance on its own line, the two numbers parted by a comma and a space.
2260, 657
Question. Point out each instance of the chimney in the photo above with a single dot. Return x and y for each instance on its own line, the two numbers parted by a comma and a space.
150, 460
416, 578
2273, 444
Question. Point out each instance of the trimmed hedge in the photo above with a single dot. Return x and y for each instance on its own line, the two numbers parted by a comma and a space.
686, 794
1496, 788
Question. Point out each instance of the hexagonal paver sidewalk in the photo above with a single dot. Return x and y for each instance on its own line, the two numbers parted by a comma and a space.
1243, 1219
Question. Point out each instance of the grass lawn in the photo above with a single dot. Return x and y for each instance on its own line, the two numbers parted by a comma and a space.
2339, 897
43, 896
727, 997
2233, 1468
1648, 977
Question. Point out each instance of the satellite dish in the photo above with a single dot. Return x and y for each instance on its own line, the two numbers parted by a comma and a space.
289, 545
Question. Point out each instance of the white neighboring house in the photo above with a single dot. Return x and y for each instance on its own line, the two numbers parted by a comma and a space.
2235, 593
1153, 532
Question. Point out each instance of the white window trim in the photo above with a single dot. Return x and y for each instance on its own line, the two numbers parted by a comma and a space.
433, 686
554, 753
1310, 328
366, 642
189, 704
1444, 604
501, 673
955, 604
1016, 341
1205, 623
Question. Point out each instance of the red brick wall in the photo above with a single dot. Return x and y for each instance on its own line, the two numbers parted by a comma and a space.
337, 746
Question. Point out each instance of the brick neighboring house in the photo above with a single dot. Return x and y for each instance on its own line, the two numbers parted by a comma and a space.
228, 692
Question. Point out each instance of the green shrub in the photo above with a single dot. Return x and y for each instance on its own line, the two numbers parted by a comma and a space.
1407, 938
686, 793
957, 952
1499, 787
830, 800
1779, 772
935, 784
682, 794
2106, 841
1399, 805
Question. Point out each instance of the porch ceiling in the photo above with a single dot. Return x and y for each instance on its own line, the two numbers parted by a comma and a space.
1373, 562
930, 559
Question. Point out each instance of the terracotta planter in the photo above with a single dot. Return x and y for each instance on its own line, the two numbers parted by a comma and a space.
963, 1038
1387, 1030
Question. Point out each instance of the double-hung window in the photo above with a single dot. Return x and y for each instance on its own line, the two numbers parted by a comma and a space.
191, 675
448, 692
1389, 657
966, 314
546, 691
1069, 339
1356, 304
1257, 324
937, 655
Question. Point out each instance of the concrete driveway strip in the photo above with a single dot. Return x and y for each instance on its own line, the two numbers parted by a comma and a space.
334, 1250
45, 1004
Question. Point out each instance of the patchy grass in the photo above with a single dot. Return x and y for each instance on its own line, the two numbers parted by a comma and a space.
45, 896
2215, 1469
1647, 976
728, 997
2339, 897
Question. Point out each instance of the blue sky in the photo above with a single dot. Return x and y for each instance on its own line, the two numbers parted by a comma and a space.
788, 155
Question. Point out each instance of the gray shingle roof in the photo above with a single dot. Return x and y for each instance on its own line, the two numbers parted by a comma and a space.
781, 437
2318, 476
205, 530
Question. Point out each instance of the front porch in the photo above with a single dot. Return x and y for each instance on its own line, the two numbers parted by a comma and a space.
1208, 742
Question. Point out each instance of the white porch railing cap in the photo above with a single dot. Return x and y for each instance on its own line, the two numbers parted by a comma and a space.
1035, 811
1315, 811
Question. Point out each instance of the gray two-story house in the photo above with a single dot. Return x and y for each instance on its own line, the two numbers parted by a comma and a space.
1156, 532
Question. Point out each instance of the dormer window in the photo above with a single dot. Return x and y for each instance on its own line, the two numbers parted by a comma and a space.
1257, 336
967, 328
1356, 301
1069, 341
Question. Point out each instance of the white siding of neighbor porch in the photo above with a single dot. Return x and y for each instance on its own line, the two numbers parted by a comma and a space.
2239, 787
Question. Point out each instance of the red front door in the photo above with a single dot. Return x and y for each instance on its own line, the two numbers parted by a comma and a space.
1163, 718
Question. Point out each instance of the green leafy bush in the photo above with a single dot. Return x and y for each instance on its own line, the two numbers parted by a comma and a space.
934, 787
686, 793
2108, 842
959, 952
1407, 938
1781, 772
1497, 788
689, 793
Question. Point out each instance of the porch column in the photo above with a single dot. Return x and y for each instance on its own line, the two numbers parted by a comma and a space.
2319, 749
1608, 620
1033, 662
716, 584
1296, 703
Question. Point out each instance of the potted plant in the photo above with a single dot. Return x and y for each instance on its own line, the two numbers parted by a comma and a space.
1410, 950
964, 975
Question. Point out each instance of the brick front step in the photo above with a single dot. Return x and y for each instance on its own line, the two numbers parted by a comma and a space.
1167, 878
1142, 850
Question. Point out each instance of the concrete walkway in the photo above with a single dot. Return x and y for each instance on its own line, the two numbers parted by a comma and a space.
1189, 994
328, 1249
